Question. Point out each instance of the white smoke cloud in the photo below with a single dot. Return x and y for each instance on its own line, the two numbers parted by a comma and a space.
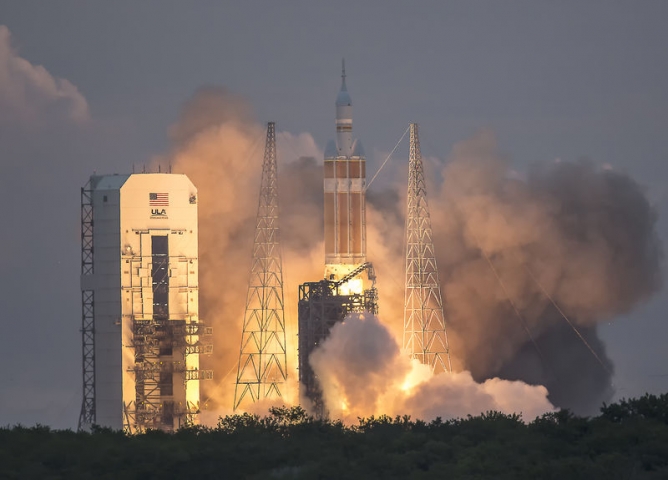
363, 372
294, 146
29, 93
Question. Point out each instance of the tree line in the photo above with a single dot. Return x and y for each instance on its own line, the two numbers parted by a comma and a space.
628, 439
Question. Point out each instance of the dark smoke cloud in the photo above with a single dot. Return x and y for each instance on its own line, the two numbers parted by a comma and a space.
583, 234
566, 368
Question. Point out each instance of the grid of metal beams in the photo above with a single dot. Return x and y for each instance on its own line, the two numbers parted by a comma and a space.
87, 415
155, 407
425, 336
321, 306
261, 372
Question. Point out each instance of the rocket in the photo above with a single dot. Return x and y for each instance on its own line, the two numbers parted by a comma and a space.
344, 185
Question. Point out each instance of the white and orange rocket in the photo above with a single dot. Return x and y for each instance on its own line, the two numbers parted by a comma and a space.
344, 183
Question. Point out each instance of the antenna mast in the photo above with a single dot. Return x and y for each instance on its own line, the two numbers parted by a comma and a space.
262, 358
425, 337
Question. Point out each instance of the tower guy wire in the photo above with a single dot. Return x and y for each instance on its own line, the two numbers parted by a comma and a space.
573, 327
386, 159
425, 336
262, 368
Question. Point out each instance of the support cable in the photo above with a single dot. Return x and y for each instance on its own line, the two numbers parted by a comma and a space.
388, 157
507, 294
509, 298
547, 295
577, 332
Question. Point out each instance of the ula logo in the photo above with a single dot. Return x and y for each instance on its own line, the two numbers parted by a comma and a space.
157, 212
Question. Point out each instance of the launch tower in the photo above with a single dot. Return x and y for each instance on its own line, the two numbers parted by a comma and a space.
425, 337
142, 336
343, 290
262, 358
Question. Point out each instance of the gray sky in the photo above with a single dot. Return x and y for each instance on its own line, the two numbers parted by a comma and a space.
553, 79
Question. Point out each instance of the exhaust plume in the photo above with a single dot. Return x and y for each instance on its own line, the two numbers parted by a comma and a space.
363, 372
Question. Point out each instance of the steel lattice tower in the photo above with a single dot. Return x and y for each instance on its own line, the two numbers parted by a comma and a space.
425, 336
262, 359
87, 415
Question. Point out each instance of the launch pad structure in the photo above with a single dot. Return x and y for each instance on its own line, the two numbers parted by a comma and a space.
153, 342
322, 305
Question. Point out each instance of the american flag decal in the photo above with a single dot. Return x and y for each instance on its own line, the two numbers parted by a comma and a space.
158, 199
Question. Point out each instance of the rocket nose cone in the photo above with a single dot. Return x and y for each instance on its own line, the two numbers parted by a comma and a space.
343, 99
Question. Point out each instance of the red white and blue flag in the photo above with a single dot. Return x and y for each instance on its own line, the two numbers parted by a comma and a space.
158, 199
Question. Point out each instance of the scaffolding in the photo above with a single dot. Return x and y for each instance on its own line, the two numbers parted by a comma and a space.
160, 349
425, 336
262, 368
87, 415
321, 306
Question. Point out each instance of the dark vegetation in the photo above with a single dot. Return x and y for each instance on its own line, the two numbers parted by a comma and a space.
628, 439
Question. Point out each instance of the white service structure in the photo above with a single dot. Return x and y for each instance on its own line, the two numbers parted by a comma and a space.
141, 295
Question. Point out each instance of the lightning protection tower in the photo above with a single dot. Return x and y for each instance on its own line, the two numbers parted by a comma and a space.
262, 358
425, 337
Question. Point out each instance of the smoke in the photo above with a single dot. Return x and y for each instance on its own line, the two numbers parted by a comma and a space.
363, 372
218, 144
29, 94
580, 235
506, 243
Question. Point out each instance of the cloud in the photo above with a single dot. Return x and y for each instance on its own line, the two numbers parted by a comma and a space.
30, 94
297, 145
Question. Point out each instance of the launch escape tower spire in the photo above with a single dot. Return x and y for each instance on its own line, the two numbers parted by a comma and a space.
425, 337
262, 370
343, 291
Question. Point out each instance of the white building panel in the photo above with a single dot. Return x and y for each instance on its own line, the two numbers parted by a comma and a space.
129, 211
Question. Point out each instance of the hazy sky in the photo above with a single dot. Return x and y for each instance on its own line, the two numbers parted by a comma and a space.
94, 86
